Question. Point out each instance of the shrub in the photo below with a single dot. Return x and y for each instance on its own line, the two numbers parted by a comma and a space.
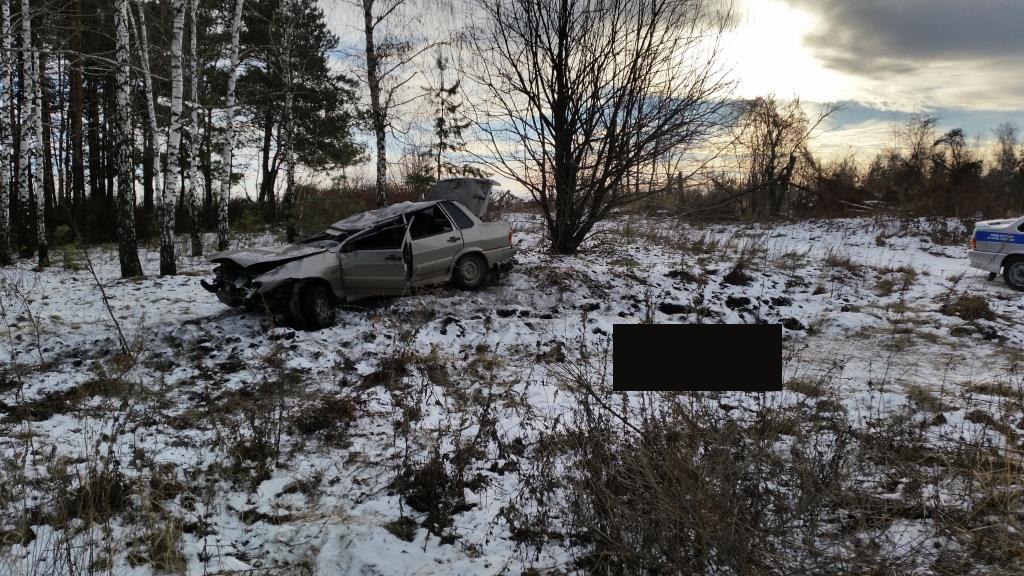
968, 307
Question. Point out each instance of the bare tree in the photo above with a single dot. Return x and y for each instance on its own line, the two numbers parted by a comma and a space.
387, 59
584, 94
6, 134
917, 137
229, 133
127, 247
1007, 144
189, 148
1008, 169
774, 136
173, 180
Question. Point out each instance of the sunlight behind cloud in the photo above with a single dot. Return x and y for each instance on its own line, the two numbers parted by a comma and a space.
767, 55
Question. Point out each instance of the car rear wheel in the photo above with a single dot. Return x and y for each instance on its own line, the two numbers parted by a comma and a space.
317, 306
1013, 273
469, 271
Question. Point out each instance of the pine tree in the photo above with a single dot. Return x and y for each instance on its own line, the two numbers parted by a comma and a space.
447, 126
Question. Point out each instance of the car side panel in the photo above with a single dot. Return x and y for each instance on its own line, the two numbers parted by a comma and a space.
322, 265
432, 257
487, 235
366, 273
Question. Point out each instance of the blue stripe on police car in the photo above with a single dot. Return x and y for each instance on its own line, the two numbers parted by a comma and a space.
1005, 237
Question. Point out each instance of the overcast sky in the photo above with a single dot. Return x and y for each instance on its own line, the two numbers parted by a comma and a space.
961, 60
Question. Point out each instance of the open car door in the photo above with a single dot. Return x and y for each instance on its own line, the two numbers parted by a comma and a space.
373, 263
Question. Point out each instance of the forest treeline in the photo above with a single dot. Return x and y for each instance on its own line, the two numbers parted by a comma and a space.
152, 97
924, 171
121, 119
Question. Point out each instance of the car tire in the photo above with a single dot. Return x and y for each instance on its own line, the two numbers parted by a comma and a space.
469, 271
317, 306
1013, 273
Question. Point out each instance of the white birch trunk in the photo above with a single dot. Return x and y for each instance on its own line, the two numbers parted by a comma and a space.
229, 134
147, 82
173, 180
289, 129
29, 137
40, 159
6, 134
377, 113
26, 241
189, 144
127, 247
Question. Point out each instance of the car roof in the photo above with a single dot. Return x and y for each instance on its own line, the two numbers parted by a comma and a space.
366, 219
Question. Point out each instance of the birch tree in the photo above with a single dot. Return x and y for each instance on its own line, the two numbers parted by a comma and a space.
229, 134
173, 180
288, 126
30, 141
147, 84
6, 134
189, 148
26, 240
386, 58
127, 247
40, 170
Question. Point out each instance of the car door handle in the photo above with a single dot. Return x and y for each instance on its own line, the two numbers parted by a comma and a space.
453, 239
394, 258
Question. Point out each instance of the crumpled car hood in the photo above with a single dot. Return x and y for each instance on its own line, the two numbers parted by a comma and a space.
248, 256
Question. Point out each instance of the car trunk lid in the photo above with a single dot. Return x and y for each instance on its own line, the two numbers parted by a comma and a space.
473, 193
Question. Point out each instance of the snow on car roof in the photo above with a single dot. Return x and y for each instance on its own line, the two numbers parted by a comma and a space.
371, 217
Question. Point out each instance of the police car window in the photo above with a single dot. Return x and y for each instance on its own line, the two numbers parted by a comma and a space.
461, 220
386, 239
428, 222
1021, 227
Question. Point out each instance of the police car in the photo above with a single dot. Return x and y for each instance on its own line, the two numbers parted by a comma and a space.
998, 246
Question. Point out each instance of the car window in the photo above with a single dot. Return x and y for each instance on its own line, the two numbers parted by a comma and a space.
461, 220
386, 239
428, 222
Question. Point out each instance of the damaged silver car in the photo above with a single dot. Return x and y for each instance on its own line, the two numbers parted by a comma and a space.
383, 252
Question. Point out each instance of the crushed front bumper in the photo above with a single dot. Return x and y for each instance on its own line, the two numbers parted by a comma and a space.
231, 286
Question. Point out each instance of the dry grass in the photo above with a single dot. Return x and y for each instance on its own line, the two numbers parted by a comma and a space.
969, 307
837, 261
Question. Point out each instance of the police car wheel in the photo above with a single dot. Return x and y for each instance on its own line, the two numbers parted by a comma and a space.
1013, 274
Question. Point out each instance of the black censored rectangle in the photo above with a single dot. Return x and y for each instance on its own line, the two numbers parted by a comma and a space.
696, 357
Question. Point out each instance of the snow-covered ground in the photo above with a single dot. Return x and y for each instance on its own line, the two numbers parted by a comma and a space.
263, 447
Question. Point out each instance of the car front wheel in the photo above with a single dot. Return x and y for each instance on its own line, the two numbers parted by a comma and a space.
317, 306
469, 271
1013, 274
